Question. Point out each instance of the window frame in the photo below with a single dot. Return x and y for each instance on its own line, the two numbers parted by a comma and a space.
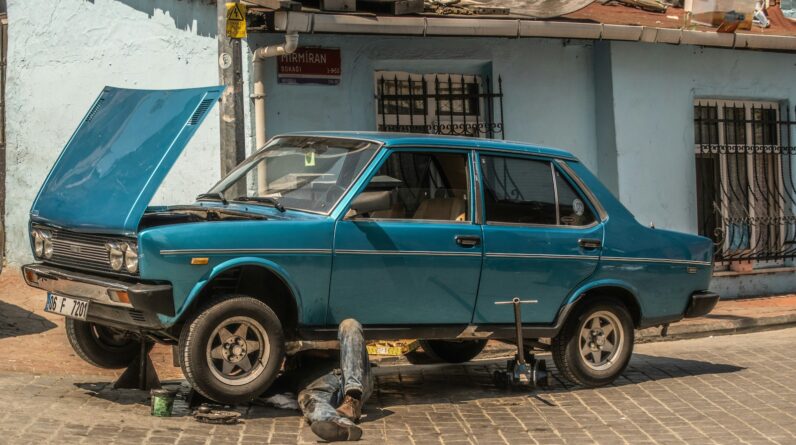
748, 131
555, 167
471, 208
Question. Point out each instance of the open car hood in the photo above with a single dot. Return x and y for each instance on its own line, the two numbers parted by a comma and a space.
119, 156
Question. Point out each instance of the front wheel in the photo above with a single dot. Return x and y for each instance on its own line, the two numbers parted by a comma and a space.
103, 346
594, 346
232, 350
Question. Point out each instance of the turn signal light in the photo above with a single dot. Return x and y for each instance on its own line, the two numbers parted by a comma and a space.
199, 261
120, 296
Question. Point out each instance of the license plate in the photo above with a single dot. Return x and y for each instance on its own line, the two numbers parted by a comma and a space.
70, 307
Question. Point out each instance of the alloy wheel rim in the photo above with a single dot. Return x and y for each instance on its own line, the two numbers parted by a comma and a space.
238, 350
601, 340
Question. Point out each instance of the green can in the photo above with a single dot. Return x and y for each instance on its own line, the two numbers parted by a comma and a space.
162, 402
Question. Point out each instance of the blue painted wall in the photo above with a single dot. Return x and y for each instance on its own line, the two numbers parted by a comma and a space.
625, 109
548, 84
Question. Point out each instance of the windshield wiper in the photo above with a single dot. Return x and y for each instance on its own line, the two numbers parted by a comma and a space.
265, 200
218, 196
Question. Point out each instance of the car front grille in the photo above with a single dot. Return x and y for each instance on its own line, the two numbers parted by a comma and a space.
80, 250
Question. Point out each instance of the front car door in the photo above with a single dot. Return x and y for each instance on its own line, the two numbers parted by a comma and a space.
417, 259
541, 238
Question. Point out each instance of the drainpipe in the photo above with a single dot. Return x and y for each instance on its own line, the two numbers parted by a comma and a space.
260, 54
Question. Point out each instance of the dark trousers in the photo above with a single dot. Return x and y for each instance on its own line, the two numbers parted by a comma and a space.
319, 399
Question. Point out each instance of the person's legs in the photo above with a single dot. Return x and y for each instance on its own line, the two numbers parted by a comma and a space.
357, 377
354, 361
317, 402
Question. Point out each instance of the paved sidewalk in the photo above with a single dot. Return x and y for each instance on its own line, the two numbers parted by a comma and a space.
718, 390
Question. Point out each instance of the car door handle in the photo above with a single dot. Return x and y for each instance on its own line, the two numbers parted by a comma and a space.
467, 240
590, 243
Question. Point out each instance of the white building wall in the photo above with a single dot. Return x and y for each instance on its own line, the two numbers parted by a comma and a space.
62, 53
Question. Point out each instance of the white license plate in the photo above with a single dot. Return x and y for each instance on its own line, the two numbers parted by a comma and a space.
70, 307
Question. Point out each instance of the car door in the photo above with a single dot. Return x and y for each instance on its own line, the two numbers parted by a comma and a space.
541, 238
415, 258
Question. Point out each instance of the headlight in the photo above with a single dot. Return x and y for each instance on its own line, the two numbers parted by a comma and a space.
38, 242
42, 243
115, 255
48, 244
130, 257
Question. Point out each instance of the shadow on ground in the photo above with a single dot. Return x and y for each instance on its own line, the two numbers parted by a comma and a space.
438, 384
16, 321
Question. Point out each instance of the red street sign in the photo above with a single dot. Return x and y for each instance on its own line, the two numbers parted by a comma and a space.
310, 65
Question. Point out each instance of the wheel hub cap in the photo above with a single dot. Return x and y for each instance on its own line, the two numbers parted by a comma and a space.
601, 340
238, 350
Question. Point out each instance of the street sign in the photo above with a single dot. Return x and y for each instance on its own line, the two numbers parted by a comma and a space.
236, 20
310, 66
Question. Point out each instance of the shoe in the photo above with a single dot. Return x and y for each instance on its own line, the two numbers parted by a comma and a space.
351, 408
336, 430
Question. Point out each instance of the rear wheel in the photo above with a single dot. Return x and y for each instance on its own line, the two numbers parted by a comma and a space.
594, 346
453, 351
231, 351
103, 346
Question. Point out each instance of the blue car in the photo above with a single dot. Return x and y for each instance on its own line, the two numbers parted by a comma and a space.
415, 236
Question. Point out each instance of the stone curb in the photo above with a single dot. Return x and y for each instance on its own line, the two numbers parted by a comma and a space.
711, 327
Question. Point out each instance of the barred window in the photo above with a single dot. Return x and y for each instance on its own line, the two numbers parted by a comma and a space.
745, 184
449, 104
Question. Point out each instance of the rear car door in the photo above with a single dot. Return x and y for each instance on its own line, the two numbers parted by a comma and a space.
417, 259
541, 237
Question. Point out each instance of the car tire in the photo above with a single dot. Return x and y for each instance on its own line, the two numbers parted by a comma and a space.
102, 346
581, 350
232, 349
452, 351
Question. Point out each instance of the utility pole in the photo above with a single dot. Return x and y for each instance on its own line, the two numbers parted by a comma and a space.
230, 73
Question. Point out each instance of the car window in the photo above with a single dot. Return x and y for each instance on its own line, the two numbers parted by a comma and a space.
302, 172
518, 190
522, 191
417, 185
572, 208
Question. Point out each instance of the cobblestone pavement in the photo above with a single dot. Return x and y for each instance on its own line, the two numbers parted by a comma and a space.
729, 389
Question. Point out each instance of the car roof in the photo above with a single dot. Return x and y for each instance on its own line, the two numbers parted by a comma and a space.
429, 140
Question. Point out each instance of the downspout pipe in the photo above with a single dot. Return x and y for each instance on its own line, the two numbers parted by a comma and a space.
258, 96
260, 54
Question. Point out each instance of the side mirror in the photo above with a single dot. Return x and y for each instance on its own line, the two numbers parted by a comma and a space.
367, 202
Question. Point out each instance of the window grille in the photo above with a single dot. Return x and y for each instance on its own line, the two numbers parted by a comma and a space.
449, 104
746, 191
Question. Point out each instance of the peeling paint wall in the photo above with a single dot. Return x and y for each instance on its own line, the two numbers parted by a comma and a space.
62, 53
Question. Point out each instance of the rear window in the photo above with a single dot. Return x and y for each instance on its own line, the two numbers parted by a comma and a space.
528, 191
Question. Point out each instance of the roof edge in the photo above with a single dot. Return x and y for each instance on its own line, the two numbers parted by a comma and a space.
310, 22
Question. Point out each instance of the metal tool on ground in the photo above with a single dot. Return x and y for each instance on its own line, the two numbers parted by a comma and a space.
524, 370
140, 373
206, 414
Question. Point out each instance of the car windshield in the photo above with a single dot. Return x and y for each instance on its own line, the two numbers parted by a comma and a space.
298, 172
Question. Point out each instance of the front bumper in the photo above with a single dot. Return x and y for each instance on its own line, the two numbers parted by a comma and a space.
145, 300
701, 304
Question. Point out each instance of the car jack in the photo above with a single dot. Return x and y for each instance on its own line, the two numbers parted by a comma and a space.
524, 370
140, 373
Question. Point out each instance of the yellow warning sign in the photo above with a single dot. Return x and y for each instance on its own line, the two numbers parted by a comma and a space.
236, 20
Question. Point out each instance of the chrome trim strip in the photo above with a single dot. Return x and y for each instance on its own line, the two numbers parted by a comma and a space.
586, 190
244, 251
405, 252
543, 256
656, 260
510, 150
